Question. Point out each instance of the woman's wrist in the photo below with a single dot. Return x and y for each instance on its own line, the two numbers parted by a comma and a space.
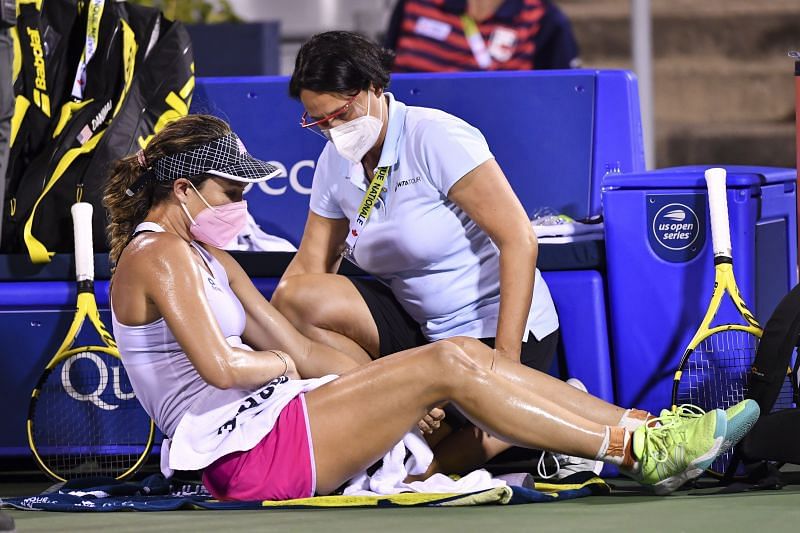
508, 353
282, 356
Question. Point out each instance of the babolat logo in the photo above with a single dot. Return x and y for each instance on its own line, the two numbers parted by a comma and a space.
40, 97
405, 183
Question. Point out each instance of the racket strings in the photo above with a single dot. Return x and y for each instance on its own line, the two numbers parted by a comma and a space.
716, 375
87, 421
717, 372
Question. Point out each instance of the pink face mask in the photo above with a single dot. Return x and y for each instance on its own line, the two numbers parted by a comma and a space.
217, 225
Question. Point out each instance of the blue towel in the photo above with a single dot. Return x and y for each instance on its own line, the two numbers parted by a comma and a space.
155, 493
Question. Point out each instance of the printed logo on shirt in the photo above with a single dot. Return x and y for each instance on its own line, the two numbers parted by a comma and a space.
502, 43
213, 284
405, 183
435, 29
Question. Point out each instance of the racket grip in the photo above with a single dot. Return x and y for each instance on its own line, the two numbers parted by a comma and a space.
718, 211
84, 248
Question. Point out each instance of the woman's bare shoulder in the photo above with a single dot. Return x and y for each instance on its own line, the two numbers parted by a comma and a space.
154, 250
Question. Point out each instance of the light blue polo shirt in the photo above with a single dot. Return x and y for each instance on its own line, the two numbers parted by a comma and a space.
440, 265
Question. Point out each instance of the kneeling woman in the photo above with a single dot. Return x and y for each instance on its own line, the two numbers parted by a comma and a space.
217, 367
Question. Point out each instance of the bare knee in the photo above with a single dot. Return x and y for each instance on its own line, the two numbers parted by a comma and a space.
480, 354
456, 364
462, 342
299, 300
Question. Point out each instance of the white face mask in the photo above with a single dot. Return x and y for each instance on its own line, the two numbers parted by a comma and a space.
354, 139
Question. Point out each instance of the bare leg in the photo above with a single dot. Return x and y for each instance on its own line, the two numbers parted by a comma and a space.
372, 407
566, 395
469, 447
329, 309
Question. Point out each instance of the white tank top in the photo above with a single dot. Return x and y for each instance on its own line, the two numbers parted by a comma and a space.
163, 378
170, 388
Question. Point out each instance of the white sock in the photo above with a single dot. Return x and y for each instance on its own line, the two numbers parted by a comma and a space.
616, 448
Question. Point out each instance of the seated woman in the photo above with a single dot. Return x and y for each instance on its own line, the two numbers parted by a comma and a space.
218, 368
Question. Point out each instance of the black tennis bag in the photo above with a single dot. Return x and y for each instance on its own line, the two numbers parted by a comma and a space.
775, 438
44, 38
38, 168
140, 77
773, 384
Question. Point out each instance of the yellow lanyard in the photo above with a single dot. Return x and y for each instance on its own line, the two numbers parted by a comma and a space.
365, 209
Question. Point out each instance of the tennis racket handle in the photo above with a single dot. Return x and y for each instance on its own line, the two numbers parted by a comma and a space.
718, 207
84, 249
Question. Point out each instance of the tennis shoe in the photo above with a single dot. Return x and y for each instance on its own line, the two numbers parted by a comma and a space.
679, 449
683, 412
741, 418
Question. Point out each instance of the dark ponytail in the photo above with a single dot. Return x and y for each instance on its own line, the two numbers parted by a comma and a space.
125, 212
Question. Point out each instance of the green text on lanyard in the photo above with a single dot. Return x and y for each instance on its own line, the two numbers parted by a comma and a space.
364, 210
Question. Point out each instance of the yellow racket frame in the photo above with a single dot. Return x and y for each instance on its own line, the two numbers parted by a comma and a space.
86, 307
724, 283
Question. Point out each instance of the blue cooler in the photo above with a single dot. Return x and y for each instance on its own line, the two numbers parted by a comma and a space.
661, 268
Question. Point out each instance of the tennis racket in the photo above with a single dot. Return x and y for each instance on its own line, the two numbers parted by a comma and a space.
714, 370
83, 417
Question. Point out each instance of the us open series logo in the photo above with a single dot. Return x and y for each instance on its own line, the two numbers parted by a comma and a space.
676, 225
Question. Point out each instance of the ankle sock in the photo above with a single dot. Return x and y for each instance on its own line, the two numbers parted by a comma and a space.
617, 448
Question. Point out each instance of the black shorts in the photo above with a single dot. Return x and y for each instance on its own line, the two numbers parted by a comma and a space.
397, 331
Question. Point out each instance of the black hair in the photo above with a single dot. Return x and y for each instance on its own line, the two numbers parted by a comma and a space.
340, 62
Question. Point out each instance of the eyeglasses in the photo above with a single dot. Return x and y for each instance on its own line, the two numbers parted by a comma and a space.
324, 121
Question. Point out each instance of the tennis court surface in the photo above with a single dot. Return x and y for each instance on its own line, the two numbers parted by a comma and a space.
627, 509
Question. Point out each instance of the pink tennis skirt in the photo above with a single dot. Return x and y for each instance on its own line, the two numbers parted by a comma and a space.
280, 467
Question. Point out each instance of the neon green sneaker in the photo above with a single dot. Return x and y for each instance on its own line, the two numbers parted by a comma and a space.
682, 412
679, 449
741, 419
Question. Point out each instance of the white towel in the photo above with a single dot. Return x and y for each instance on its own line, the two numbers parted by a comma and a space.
566, 228
389, 478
